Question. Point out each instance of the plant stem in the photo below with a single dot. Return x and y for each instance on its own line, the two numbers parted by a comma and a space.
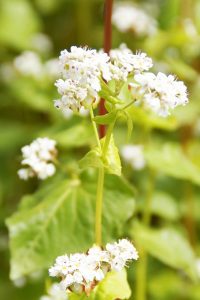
108, 137
106, 47
141, 272
99, 206
95, 128
129, 104
100, 184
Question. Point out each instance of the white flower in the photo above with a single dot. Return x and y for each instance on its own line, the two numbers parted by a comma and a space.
133, 154
123, 62
29, 64
160, 92
55, 293
82, 70
41, 42
81, 272
38, 157
121, 253
127, 16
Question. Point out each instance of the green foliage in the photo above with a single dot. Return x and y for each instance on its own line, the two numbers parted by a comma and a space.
114, 286
73, 133
171, 160
107, 118
18, 22
111, 161
169, 12
60, 219
150, 120
164, 206
167, 245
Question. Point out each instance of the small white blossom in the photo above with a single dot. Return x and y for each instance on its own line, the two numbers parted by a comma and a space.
124, 62
121, 253
38, 157
81, 272
81, 69
127, 16
41, 42
133, 154
55, 293
160, 92
29, 64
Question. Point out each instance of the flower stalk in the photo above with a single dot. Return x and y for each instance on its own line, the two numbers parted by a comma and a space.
99, 207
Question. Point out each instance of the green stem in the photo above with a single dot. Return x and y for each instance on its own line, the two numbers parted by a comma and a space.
129, 104
100, 184
108, 137
95, 128
99, 206
141, 273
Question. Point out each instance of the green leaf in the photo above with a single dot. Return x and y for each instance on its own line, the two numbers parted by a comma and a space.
171, 160
111, 162
113, 286
150, 120
73, 133
92, 159
169, 12
167, 284
167, 245
181, 69
164, 206
18, 22
62, 221
107, 118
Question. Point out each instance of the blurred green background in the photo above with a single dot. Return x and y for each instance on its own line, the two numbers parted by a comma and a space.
45, 27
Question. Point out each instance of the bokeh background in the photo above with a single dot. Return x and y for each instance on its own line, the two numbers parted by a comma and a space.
32, 33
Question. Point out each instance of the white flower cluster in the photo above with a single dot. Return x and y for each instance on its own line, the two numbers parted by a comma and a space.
81, 272
55, 293
133, 154
127, 16
159, 92
124, 62
38, 157
81, 69
29, 63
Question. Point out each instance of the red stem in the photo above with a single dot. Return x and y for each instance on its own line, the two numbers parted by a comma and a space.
106, 47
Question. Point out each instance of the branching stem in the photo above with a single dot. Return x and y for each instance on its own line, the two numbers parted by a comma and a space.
95, 128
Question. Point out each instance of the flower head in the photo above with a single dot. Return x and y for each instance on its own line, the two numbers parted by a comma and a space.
55, 293
160, 92
124, 62
81, 272
81, 69
29, 64
38, 158
127, 16
133, 154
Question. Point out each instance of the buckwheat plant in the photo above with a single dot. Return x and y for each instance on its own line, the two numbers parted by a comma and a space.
123, 79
